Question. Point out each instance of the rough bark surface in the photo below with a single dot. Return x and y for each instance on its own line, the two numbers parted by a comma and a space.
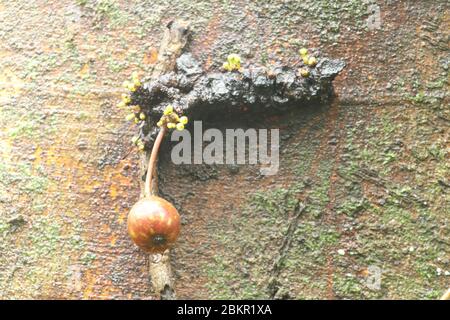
371, 167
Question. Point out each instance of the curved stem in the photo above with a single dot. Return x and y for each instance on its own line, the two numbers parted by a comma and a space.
152, 163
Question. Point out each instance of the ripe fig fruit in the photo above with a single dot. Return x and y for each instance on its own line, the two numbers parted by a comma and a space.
153, 224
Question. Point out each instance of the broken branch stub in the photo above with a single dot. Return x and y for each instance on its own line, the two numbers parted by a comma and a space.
201, 95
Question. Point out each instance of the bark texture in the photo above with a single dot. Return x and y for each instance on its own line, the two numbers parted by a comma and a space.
371, 166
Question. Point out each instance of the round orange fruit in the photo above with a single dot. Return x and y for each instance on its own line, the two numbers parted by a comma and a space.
154, 224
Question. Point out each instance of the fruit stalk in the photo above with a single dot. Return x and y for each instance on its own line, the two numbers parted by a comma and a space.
151, 168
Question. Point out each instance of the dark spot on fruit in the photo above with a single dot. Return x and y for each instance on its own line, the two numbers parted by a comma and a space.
159, 240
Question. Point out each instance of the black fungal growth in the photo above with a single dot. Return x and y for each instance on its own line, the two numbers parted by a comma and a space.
201, 95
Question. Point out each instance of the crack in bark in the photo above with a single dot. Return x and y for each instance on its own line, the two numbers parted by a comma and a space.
273, 286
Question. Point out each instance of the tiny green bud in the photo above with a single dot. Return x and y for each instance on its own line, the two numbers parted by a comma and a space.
234, 62
312, 61
227, 66
183, 120
135, 78
305, 59
126, 98
168, 110
304, 72
141, 146
234, 59
131, 87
